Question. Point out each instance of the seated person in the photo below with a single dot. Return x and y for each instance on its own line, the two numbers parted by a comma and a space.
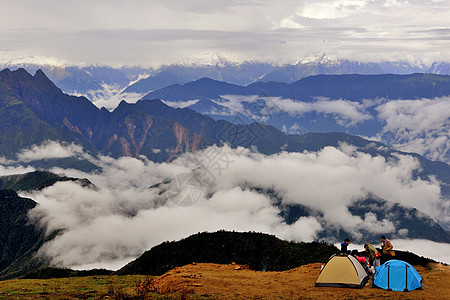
388, 249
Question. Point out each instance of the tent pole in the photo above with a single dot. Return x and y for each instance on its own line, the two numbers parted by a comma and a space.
389, 273
406, 286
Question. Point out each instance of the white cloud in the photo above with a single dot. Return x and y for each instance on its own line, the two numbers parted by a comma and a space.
293, 129
350, 112
180, 104
6, 170
347, 113
437, 251
109, 96
420, 126
235, 103
48, 150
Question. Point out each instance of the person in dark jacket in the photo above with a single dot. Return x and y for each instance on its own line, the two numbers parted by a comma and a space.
344, 246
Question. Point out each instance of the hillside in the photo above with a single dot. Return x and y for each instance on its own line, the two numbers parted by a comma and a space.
19, 239
236, 282
37, 180
260, 251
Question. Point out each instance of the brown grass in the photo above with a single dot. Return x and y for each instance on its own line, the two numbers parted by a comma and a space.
213, 281
235, 282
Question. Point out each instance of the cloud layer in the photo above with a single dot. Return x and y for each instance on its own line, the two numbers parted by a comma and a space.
347, 113
418, 126
158, 32
124, 217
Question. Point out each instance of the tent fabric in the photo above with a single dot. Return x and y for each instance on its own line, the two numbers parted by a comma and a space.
397, 275
342, 270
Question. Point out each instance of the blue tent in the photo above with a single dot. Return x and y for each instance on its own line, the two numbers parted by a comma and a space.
397, 275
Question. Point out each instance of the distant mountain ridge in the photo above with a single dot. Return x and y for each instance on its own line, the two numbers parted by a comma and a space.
323, 65
240, 74
351, 87
95, 81
83, 80
247, 73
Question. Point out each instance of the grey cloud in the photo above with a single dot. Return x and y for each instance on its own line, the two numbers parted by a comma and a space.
161, 32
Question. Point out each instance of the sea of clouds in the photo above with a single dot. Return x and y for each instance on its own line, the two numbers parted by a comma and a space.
137, 204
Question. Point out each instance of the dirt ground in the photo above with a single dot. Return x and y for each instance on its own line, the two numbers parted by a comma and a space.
237, 282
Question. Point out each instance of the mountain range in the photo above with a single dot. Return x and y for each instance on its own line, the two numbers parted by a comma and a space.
365, 105
250, 72
350, 87
324, 65
33, 110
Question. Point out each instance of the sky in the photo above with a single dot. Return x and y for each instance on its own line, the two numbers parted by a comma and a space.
151, 33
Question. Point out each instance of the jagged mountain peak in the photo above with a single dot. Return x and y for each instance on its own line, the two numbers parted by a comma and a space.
321, 58
39, 79
209, 60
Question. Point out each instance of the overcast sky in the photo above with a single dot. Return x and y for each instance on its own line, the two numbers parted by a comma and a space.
142, 32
